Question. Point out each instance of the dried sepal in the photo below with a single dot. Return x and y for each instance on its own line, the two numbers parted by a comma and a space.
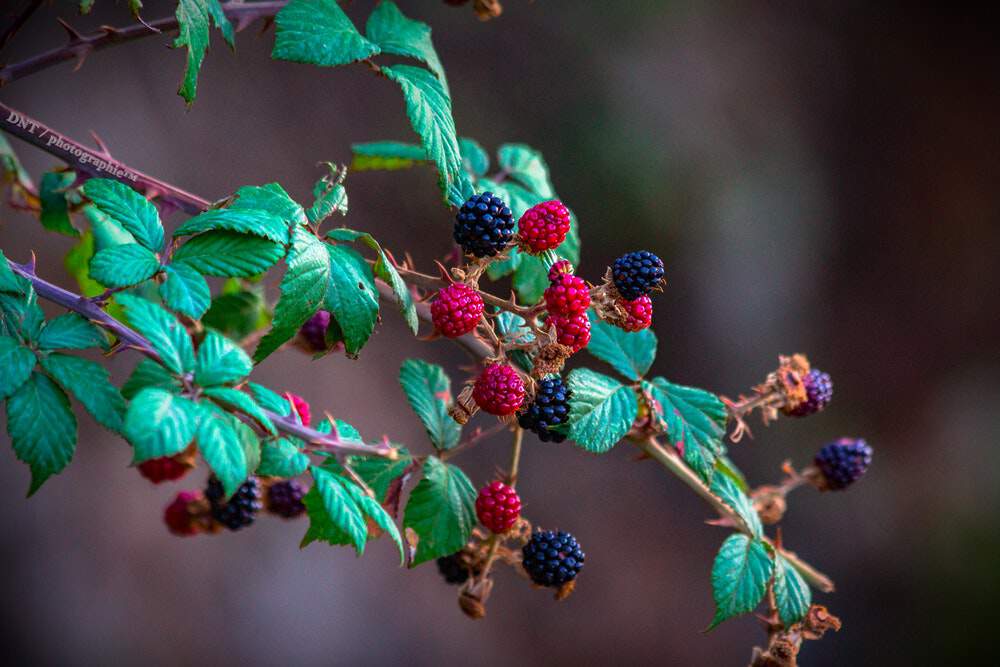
783, 390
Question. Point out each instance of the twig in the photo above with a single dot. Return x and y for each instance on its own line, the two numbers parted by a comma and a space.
18, 21
471, 441
515, 457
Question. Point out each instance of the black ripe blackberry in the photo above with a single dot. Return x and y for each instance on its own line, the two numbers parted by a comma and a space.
240, 510
552, 558
636, 274
285, 499
819, 391
549, 409
843, 462
484, 225
453, 568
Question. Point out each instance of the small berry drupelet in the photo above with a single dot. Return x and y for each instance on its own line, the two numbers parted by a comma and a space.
560, 267
552, 558
313, 332
567, 295
843, 462
499, 390
178, 516
819, 391
484, 225
453, 569
163, 469
284, 498
573, 332
457, 310
544, 226
638, 314
498, 507
636, 274
549, 409
301, 408
240, 510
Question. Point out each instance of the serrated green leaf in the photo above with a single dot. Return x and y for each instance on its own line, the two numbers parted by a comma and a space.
344, 430
16, 362
241, 402
695, 421
791, 593
148, 373
270, 400
159, 423
220, 361
602, 410
317, 32
380, 473
71, 331
373, 509
281, 458
249, 442
395, 33
20, 312
631, 354
440, 511
384, 270
127, 208
193, 20
525, 164
724, 465
329, 196
474, 157
740, 574
273, 199
167, 336
8, 281
351, 296
229, 254
428, 391
429, 110
240, 220
185, 291
123, 265
386, 155
90, 383
727, 490
341, 512
42, 428
54, 214
221, 446
237, 315
303, 289
107, 232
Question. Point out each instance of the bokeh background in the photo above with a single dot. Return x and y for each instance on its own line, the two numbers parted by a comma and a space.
819, 177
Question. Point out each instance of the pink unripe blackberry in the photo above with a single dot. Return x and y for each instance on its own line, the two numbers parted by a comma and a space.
560, 267
567, 295
301, 408
498, 507
573, 332
639, 313
166, 468
544, 226
499, 390
178, 516
457, 310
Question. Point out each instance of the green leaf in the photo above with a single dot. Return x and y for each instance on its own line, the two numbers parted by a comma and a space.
303, 289
55, 209
20, 312
475, 159
733, 496
220, 361
344, 430
77, 263
317, 32
159, 423
273, 199
237, 315
86, 6
42, 428
241, 220
695, 421
724, 465
167, 336
127, 208
340, 510
631, 354
351, 296
384, 270
525, 164
440, 510
241, 402
428, 390
123, 265
107, 232
513, 329
371, 507
386, 155
90, 383
229, 254
185, 291
16, 362
221, 446
249, 442
329, 196
270, 400
429, 110
148, 373
396, 34
740, 574
193, 17
71, 331
379, 473
602, 410
8, 281
791, 593
281, 458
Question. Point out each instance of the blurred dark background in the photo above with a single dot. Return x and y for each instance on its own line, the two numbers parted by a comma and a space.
819, 177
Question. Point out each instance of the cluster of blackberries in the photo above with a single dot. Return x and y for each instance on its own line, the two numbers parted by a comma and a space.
241, 509
284, 498
843, 462
549, 409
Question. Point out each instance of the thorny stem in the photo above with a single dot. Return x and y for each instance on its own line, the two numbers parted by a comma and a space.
471, 441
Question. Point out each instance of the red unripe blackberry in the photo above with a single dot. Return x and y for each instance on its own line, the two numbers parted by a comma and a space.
178, 516
301, 408
163, 469
573, 332
567, 295
498, 507
819, 392
457, 310
544, 226
638, 313
499, 390
560, 267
